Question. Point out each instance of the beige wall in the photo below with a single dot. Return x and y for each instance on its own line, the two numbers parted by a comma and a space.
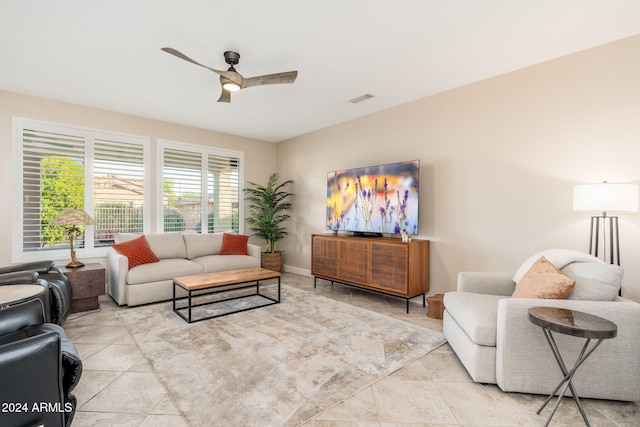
259, 156
499, 160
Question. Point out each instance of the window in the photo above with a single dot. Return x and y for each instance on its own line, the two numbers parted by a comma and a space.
60, 167
201, 188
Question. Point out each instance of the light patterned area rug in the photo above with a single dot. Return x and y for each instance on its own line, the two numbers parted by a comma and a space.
274, 366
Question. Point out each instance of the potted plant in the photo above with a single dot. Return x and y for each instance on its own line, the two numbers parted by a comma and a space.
268, 206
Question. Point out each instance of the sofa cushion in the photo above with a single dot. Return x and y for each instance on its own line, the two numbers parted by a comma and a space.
213, 263
124, 237
594, 281
234, 244
167, 245
137, 251
544, 280
476, 314
198, 245
165, 269
558, 257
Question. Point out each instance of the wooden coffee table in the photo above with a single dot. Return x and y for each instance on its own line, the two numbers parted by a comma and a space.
223, 281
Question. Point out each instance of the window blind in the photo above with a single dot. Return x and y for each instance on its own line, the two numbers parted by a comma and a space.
64, 167
53, 179
119, 189
224, 193
201, 189
182, 190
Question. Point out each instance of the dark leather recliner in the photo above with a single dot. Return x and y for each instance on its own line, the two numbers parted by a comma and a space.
39, 368
57, 299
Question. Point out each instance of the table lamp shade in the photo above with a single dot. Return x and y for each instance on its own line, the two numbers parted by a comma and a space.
73, 217
606, 197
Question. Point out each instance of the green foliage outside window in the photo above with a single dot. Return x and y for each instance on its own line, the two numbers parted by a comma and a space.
62, 187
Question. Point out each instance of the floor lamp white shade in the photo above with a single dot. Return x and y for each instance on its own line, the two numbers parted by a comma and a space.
605, 197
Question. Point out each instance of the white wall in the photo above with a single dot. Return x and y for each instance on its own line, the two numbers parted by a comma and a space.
499, 160
259, 156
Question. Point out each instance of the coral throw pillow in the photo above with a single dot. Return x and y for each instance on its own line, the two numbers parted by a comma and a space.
136, 250
544, 280
234, 244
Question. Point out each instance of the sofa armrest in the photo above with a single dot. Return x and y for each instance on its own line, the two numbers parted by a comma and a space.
486, 283
38, 266
525, 363
18, 278
71, 362
117, 269
254, 251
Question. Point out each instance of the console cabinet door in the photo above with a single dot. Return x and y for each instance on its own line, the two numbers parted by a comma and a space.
354, 261
325, 257
389, 267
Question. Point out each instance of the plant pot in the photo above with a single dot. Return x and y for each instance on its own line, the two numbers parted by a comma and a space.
272, 261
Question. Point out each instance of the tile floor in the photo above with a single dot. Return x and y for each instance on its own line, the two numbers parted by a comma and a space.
119, 388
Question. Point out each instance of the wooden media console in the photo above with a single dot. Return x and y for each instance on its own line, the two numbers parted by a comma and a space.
379, 264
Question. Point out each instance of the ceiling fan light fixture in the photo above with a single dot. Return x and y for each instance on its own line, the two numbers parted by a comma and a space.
231, 86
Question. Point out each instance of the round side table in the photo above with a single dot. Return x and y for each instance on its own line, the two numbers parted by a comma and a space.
577, 324
15, 294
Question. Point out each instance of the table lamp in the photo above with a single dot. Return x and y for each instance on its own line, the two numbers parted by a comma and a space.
605, 197
73, 218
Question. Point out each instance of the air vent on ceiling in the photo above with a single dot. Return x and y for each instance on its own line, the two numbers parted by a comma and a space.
361, 98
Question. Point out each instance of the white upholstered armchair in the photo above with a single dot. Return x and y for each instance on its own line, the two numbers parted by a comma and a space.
493, 338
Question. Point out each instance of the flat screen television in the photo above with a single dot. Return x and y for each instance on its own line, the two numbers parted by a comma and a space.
374, 200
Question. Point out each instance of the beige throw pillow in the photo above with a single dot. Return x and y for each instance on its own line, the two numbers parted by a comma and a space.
544, 280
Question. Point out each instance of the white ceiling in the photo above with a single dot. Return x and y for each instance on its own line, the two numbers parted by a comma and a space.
106, 54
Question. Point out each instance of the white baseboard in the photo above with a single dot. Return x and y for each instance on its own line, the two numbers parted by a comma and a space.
297, 270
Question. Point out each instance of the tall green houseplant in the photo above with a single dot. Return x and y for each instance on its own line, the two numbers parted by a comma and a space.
268, 206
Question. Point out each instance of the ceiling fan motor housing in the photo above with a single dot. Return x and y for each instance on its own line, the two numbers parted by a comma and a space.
231, 58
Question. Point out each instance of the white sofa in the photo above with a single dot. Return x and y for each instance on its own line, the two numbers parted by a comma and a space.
180, 255
493, 338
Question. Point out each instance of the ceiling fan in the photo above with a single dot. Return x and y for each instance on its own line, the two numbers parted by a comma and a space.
233, 81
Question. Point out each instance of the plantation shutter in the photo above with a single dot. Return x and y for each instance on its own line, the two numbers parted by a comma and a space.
60, 167
202, 188
223, 193
53, 163
119, 190
182, 200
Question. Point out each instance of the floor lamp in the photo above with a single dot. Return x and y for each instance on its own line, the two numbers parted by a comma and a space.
605, 197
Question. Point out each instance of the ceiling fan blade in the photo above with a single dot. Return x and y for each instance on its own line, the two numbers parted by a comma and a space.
225, 96
233, 76
271, 79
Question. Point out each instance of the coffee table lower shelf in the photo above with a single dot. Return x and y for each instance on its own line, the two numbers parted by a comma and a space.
228, 287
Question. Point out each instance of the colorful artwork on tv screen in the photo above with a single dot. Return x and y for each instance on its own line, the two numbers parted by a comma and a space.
374, 199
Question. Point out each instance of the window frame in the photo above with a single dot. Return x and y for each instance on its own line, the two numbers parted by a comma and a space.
204, 151
17, 174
